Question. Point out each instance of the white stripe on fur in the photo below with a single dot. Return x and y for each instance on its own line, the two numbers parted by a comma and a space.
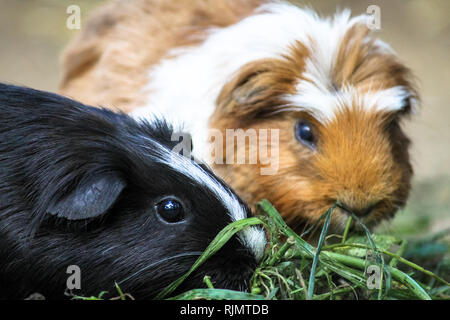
251, 237
324, 104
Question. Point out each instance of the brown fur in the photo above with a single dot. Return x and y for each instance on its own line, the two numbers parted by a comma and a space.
363, 66
108, 63
362, 157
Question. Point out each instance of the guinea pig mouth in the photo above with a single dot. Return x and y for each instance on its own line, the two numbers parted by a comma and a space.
369, 216
359, 212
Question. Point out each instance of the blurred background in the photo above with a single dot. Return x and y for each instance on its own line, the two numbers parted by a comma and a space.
33, 33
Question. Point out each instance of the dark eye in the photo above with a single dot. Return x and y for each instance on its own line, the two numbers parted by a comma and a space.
304, 133
170, 210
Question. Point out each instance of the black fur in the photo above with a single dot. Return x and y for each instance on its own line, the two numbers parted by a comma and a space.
78, 186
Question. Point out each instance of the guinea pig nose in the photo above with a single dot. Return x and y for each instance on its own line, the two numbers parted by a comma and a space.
360, 212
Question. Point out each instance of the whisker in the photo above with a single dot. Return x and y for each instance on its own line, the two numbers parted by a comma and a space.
186, 254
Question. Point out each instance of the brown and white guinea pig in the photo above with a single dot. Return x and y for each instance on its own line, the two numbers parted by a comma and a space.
332, 94
92, 188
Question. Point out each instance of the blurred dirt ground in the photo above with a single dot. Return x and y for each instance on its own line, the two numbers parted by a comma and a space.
33, 33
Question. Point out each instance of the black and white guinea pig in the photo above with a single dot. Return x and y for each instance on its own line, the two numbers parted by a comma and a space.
89, 187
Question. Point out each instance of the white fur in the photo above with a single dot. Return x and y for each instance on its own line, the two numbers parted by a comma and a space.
323, 104
184, 88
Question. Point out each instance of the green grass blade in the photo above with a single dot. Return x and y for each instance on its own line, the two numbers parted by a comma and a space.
379, 257
397, 274
323, 234
219, 241
216, 294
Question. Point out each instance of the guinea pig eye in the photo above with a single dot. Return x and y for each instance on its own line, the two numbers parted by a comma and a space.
304, 133
170, 210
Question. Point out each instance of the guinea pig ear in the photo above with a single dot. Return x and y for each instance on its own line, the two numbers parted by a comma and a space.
91, 198
256, 89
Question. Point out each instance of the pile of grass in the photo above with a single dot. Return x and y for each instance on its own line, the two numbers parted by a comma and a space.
345, 269
294, 269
